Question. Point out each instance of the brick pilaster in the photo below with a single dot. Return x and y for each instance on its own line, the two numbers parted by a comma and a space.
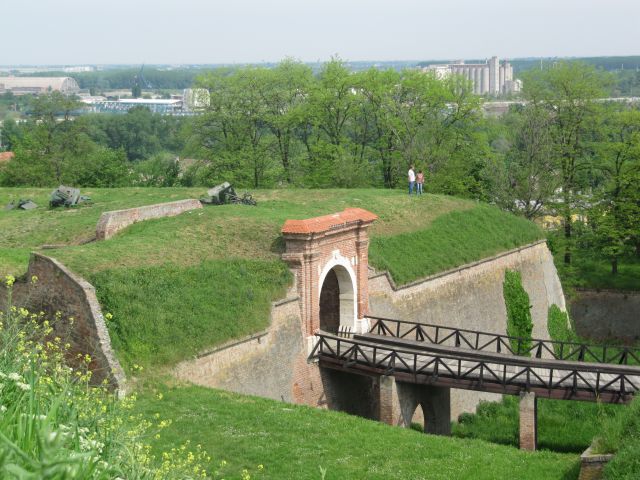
528, 421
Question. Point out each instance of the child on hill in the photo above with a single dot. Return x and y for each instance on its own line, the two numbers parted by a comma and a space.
420, 181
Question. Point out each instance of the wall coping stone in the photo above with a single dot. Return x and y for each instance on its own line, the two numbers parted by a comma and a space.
112, 222
373, 274
592, 464
97, 318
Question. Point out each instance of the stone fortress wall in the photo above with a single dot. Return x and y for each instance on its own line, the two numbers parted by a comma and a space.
606, 315
467, 297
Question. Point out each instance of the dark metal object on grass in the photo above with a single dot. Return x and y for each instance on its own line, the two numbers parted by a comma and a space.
66, 197
27, 204
224, 194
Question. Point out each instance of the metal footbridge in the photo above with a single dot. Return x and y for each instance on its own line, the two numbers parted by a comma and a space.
467, 359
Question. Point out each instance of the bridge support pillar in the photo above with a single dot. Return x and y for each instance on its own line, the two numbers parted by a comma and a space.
437, 410
387, 400
398, 401
528, 421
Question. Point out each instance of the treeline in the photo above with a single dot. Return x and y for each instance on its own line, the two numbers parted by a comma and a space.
284, 125
52, 147
565, 153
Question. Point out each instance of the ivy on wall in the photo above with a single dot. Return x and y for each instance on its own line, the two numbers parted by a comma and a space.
519, 322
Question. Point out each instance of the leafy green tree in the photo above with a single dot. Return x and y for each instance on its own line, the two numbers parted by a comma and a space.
569, 92
373, 125
284, 94
9, 134
161, 170
526, 178
616, 210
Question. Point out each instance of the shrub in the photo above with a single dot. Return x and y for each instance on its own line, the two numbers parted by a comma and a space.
559, 327
519, 323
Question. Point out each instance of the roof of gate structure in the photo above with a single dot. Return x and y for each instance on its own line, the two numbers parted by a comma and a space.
324, 223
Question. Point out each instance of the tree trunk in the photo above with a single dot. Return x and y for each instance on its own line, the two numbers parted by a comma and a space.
567, 237
614, 265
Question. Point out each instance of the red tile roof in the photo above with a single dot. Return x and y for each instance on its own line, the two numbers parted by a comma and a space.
6, 156
328, 222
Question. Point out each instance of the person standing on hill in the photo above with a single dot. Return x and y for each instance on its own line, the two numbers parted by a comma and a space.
411, 175
419, 182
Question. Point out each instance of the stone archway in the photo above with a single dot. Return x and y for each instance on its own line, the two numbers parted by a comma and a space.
337, 293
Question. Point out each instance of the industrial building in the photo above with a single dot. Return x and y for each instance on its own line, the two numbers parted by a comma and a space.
38, 85
488, 78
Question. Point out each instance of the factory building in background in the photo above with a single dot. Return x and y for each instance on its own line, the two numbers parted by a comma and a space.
38, 85
488, 78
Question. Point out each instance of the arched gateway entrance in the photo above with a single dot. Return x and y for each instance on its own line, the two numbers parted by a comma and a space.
337, 307
329, 258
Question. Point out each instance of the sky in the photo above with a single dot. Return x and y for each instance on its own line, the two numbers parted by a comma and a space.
73, 32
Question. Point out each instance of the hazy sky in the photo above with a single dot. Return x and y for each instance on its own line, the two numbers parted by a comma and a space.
212, 31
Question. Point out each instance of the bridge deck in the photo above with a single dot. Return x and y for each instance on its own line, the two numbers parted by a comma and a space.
423, 362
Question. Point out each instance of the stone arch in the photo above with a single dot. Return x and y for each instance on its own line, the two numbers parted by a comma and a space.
338, 290
419, 417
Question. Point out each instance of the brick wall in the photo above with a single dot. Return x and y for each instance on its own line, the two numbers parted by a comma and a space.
57, 289
112, 222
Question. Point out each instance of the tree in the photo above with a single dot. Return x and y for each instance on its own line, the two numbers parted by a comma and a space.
569, 92
373, 126
616, 209
526, 179
284, 95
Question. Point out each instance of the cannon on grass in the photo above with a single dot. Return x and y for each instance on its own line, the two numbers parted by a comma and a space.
22, 204
224, 194
66, 197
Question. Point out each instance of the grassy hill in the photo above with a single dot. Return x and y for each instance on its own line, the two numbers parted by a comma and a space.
293, 441
177, 285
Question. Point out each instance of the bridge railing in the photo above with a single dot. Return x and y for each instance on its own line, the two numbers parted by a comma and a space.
486, 371
497, 343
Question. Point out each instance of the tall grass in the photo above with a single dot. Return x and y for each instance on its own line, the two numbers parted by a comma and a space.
621, 435
164, 314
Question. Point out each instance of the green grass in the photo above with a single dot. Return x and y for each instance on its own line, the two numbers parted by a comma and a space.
163, 314
621, 435
295, 442
590, 272
563, 425
451, 240
165, 278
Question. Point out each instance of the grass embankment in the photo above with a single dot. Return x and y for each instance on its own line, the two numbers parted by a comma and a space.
168, 278
621, 435
589, 272
451, 240
296, 442
563, 425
